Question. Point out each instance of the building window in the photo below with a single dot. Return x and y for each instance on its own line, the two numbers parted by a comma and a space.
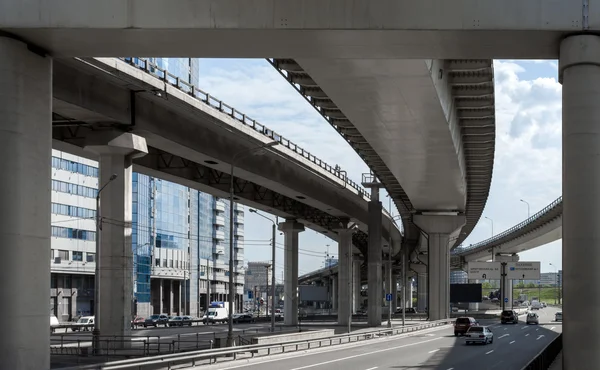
66, 232
164, 263
77, 256
84, 169
90, 257
64, 255
65, 187
73, 211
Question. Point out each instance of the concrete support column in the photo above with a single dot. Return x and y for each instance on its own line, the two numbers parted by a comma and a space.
25, 146
161, 296
375, 280
422, 292
409, 292
388, 286
475, 305
334, 292
179, 301
439, 228
579, 73
507, 292
290, 229
116, 151
396, 292
344, 275
356, 284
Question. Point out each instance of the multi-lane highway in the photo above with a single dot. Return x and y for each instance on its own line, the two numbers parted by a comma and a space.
513, 346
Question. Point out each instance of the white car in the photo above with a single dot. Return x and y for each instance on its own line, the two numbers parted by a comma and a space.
532, 318
558, 316
479, 334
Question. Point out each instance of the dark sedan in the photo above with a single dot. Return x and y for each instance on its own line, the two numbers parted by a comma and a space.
242, 317
156, 320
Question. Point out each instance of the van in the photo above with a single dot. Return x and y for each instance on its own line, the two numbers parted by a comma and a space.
215, 315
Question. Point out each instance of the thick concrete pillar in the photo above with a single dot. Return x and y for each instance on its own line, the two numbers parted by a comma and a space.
334, 292
439, 228
161, 296
25, 149
290, 229
422, 292
356, 284
409, 292
116, 151
388, 286
179, 302
375, 279
344, 276
507, 292
396, 292
579, 73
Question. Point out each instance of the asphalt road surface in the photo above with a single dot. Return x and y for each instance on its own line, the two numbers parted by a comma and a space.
513, 347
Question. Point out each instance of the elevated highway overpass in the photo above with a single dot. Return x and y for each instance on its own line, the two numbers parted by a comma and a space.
303, 31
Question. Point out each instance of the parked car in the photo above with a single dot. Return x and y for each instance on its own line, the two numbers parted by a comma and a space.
558, 316
463, 324
509, 316
156, 320
532, 318
242, 317
479, 334
137, 321
408, 310
85, 320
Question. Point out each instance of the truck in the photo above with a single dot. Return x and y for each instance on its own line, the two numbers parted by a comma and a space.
218, 312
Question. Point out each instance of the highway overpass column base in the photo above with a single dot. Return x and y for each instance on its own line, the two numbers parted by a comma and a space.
356, 284
344, 288
334, 292
409, 292
375, 279
116, 151
421, 292
26, 147
396, 292
579, 73
439, 228
290, 229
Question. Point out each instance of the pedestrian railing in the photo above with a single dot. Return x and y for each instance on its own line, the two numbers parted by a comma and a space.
213, 355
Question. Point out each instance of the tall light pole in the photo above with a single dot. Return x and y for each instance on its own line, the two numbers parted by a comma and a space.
273, 243
235, 157
492, 221
528, 213
555, 281
96, 331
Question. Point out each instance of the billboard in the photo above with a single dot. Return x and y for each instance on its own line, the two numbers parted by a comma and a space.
465, 293
313, 293
484, 270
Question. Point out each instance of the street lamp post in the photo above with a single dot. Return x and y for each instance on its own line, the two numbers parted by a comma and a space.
273, 243
528, 213
237, 156
492, 221
97, 316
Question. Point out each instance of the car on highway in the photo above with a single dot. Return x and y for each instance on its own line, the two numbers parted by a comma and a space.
85, 320
180, 321
242, 317
558, 316
156, 320
463, 324
408, 310
479, 334
509, 316
532, 318
137, 321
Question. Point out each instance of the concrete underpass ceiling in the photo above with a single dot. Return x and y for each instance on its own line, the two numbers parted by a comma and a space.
395, 106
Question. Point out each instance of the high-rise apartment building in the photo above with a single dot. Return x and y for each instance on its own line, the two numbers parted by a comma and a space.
180, 237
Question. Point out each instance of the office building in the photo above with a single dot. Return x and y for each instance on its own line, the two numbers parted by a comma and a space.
458, 277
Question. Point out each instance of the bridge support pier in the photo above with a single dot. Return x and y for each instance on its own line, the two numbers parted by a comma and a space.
579, 73
114, 282
290, 229
344, 288
422, 292
439, 228
356, 284
25, 147
397, 294
375, 278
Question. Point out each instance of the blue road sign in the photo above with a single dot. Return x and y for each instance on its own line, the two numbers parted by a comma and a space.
249, 294
388, 297
512, 268
505, 299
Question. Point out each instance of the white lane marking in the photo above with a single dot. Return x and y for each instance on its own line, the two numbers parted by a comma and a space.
552, 328
435, 350
451, 368
502, 336
505, 328
372, 368
537, 329
512, 342
527, 334
488, 352
524, 328
538, 338
365, 354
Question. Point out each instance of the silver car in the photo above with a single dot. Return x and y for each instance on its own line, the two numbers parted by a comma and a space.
479, 334
532, 318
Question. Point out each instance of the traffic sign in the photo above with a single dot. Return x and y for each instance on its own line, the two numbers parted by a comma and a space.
388, 297
523, 270
484, 270
505, 299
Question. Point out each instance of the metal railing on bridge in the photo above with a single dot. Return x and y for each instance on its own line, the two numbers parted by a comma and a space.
190, 89
520, 226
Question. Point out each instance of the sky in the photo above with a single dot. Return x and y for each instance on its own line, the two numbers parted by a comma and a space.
527, 162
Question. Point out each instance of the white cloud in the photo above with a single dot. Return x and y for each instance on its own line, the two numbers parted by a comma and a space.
528, 147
